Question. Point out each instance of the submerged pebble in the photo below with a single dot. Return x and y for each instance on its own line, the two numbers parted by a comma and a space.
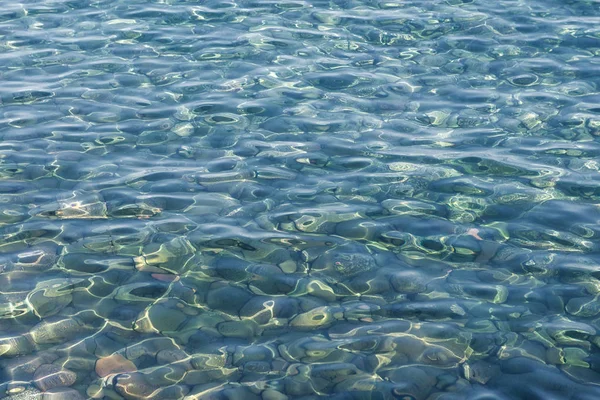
113, 364
49, 376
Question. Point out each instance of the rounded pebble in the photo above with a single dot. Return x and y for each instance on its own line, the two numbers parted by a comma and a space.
114, 364
49, 376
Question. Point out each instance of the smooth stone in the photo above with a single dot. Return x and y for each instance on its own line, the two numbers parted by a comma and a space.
252, 353
105, 345
23, 368
208, 361
165, 316
251, 368
346, 260
165, 375
36, 260
409, 281
16, 346
583, 306
75, 363
149, 347
480, 371
95, 390
259, 309
114, 364
229, 299
239, 393
56, 330
174, 356
49, 376
238, 329
288, 267
271, 394
45, 306
133, 386
313, 319
410, 381
171, 392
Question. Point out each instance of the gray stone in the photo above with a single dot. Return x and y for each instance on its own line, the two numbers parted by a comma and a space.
49, 376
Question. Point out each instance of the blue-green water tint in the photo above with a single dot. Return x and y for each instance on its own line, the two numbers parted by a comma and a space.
267, 200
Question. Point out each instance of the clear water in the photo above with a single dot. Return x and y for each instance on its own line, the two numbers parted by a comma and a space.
265, 200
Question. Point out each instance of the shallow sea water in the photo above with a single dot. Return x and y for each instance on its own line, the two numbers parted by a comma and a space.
300, 199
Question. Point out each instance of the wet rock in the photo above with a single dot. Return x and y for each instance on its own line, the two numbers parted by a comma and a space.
347, 260
413, 382
165, 375
209, 361
164, 315
259, 309
583, 306
174, 356
81, 365
46, 305
95, 390
316, 318
238, 329
480, 291
171, 256
204, 377
57, 330
114, 364
526, 378
143, 292
16, 345
133, 386
430, 310
150, 348
409, 280
239, 393
252, 353
49, 376
228, 298
271, 394
106, 344
480, 371
39, 259
23, 368
171, 392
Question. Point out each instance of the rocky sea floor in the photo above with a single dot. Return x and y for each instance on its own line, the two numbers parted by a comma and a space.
300, 200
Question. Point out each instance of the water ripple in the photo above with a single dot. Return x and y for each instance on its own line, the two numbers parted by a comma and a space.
286, 199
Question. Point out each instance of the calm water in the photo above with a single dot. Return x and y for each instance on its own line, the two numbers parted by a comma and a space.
300, 199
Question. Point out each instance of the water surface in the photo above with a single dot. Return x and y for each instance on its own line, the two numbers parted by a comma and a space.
289, 199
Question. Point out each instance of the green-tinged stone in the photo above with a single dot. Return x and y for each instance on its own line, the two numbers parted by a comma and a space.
238, 329
318, 317
163, 316
583, 306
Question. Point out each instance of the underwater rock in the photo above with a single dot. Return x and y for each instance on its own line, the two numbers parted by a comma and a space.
58, 330
344, 261
49, 376
113, 364
133, 386
16, 345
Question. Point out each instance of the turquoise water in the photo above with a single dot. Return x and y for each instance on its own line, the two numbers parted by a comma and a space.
330, 199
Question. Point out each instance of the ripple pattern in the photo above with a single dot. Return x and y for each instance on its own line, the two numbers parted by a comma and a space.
262, 199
